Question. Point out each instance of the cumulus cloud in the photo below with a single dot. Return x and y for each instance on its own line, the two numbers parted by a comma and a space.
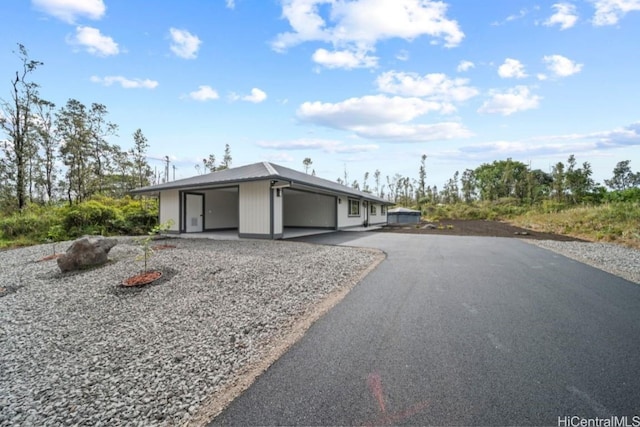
565, 16
94, 42
382, 117
556, 144
344, 59
184, 44
465, 66
435, 86
326, 145
256, 96
70, 10
609, 12
125, 82
204, 93
357, 26
512, 101
512, 68
561, 66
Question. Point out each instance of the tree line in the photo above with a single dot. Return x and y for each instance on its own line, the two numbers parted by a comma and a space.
568, 183
62, 154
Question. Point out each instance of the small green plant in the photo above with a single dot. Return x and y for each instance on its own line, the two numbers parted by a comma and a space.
145, 242
54, 235
449, 227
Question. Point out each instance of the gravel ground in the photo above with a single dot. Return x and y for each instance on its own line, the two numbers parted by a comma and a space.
614, 259
78, 349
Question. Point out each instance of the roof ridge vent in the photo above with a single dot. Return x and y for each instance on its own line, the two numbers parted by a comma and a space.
270, 168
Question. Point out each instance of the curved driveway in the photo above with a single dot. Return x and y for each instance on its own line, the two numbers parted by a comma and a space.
460, 331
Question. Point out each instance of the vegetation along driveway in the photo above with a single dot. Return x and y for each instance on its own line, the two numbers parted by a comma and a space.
460, 331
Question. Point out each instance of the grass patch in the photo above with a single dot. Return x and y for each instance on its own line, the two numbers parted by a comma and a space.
611, 222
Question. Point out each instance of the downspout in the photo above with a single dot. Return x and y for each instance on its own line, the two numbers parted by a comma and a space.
271, 204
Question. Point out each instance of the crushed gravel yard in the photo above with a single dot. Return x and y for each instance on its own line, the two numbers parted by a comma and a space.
615, 259
79, 349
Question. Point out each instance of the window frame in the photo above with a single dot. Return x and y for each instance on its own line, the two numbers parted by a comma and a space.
353, 202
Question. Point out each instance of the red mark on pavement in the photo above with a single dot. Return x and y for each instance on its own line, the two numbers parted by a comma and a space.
375, 385
374, 381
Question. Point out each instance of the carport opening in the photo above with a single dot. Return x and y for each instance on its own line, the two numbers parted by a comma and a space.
221, 209
302, 209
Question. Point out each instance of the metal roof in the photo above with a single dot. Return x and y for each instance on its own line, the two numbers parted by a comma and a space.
403, 211
259, 171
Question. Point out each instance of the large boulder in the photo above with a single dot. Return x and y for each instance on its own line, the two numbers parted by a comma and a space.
86, 252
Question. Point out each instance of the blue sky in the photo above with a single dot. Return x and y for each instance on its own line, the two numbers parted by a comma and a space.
355, 84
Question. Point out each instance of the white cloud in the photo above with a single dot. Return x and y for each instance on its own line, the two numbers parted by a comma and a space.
94, 42
125, 82
465, 66
382, 117
204, 93
512, 68
433, 86
256, 96
70, 10
557, 144
513, 100
565, 16
356, 26
609, 12
184, 44
327, 145
521, 14
403, 55
231, 4
561, 66
344, 59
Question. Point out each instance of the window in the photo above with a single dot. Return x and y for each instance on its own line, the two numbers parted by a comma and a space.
383, 209
354, 207
373, 209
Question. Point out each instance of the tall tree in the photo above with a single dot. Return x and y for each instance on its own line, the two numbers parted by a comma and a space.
102, 151
422, 177
16, 120
559, 181
139, 159
623, 177
307, 162
468, 184
226, 158
365, 184
47, 141
76, 149
210, 163
376, 179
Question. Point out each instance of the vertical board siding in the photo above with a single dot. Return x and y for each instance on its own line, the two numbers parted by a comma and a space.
344, 220
170, 208
255, 207
278, 206
379, 217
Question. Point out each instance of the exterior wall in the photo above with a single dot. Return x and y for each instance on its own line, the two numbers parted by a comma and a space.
278, 206
403, 218
170, 209
346, 221
255, 208
309, 210
221, 209
379, 217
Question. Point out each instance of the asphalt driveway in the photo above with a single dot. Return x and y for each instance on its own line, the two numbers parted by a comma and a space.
460, 331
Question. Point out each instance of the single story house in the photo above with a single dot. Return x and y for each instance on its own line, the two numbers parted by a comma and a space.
260, 200
403, 216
